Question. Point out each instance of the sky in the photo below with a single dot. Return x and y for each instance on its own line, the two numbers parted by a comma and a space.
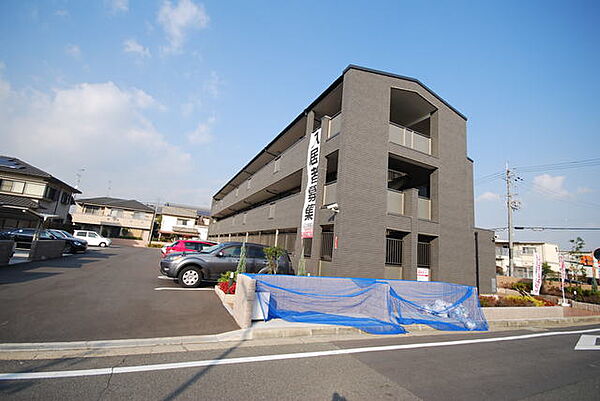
166, 100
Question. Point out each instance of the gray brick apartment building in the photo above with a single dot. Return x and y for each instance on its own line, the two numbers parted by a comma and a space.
394, 195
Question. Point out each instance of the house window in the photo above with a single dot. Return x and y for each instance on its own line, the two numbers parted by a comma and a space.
16, 187
65, 198
116, 213
182, 222
51, 193
91, 209
34, 189
139, 215
528, 250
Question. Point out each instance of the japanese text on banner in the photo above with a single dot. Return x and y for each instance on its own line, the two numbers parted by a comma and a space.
310, 194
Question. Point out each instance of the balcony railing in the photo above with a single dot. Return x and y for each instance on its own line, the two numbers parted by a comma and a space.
424, 209
423, 254
330, 193
409, 138
393, 251
395, 202
335, 125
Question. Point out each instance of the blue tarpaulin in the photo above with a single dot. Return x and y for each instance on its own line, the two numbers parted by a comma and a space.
376, 306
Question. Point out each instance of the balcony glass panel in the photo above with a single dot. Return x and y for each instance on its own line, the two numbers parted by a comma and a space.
395, 202
424, 208
335, 125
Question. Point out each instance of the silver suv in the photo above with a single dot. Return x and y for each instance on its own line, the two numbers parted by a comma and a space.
194, 267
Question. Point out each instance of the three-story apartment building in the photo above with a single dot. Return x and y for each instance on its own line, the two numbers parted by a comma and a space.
113, 217
394, 193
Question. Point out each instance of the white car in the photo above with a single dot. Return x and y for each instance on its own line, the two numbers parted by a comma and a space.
92, 238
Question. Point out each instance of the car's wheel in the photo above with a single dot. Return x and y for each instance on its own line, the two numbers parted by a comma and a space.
190, 277
68, 249
102, 244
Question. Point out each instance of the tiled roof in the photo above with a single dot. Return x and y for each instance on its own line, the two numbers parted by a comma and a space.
9, 164
19, 201
131, 204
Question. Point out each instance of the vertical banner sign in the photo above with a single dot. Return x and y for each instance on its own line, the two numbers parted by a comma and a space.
563, 276
310, 194
537, 274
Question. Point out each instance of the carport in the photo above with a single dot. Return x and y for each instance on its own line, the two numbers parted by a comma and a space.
19, 212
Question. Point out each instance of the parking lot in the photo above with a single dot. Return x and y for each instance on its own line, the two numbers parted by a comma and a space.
104, 294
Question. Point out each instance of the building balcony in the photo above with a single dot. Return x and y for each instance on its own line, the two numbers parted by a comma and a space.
396, 204
411, 139
335, 125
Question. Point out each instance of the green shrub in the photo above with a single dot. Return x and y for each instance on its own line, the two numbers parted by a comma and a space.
523, 288
224, 278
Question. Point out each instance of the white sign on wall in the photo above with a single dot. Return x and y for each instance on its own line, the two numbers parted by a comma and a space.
310, 194
423, 274
537, 273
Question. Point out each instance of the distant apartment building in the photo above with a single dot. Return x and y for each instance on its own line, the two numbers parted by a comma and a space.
523, 252
391, 186
114, 218
181, 222
29, 195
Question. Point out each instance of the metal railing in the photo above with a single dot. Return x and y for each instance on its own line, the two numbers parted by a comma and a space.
423, 254
326, 245
409, 138
393, 251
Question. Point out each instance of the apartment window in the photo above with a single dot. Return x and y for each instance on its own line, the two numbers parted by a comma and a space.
326, 243
307, 247
528, 250
276, 164
248, 183
332, 167
393, 247
237, 191
271, 211
423, 254
16, 187
34, 189
91, 209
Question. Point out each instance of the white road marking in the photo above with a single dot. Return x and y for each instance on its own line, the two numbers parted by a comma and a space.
166, 278
182, 289
266, 358
588, 343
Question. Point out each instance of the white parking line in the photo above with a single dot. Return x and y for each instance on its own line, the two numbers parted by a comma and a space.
266, 358
182, 289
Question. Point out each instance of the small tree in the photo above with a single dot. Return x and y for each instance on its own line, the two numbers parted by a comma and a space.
241, 267
302, 265
273, 253
576, 248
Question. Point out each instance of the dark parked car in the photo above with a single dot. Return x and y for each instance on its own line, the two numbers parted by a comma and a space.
194, 267
73, 244
23, 238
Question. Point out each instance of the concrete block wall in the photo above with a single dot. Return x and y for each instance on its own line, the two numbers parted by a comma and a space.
245, 294
46, 249
6, 250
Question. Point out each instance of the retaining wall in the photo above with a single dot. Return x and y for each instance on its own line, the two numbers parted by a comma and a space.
504, 313
244, 300
46, 249
6, 248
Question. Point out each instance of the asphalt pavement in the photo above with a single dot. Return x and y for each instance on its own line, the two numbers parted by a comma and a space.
104, 294
532, 365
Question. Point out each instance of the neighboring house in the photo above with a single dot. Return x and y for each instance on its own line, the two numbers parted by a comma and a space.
113, 217
180, 222
579, 262
29, 195
523, 256
394, 194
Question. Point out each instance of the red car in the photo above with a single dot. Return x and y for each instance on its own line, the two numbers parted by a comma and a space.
185, 246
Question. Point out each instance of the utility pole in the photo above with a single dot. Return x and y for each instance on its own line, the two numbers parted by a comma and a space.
510, 206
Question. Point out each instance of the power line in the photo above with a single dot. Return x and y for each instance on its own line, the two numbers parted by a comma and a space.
557, 228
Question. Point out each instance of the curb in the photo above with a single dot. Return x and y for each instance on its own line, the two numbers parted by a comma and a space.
53, 350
